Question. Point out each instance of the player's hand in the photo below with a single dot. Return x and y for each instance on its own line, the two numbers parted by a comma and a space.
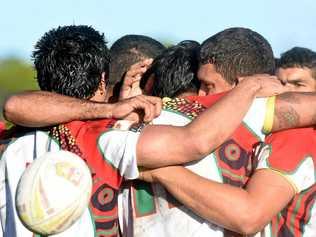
151, 175
156, 175
268, 85
138, 108
131, 81
147, 176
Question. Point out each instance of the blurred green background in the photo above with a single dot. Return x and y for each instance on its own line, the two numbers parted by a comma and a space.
15, 75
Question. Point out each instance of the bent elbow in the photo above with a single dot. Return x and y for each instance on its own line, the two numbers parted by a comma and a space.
204, 142
249, 229
204, 146
200, 149
250, 223
10, 107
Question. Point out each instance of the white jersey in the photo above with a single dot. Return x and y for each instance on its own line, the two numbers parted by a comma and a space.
16, 157
22, 152
148, 209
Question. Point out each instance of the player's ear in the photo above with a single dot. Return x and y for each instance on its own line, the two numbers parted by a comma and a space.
103, 82
203, 91
104, 79
149, 85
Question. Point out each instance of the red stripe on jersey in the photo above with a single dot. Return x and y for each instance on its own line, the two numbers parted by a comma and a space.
87, 135
208, 100
292, 219
2, 129
106, 178
311, 199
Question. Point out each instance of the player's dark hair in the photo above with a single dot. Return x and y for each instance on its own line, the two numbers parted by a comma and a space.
190, 44
129, 50
175, 70
70, 60
299, 57
238, 52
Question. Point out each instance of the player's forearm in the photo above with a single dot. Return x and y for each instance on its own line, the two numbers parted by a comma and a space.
221, 204
294, 110
244, 211
160, 146
216, 124
39, 109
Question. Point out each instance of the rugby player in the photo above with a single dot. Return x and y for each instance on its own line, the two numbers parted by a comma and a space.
73, 61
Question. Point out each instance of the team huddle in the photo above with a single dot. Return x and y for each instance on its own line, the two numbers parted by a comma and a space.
210, 139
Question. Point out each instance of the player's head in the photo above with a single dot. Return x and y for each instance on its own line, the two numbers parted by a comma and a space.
74, 61
233, 53
190, 44
129, 50
297, 69
173, 73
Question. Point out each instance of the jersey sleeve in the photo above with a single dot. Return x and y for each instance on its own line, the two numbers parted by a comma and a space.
291, 154
119, 149
269, 115
256, 117
259, 117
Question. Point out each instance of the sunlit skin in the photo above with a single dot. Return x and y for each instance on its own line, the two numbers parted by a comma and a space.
295, 79
299, 79
211, 81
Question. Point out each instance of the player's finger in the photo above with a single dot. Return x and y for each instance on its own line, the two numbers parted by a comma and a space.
141, 64
145, 106
150, 109
136, 71
146, 62
136, 84
157, 102
158, 105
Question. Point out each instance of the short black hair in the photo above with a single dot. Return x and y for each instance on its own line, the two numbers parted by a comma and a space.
238, 52
298, 57
175, 70
190, 44
129, 50
70, 60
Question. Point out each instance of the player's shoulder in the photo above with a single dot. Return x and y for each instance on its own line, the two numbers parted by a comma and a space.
23, 141
301, 138
20, 150
292, 149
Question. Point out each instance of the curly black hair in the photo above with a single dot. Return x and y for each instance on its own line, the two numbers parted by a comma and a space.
238, 52
175, 70
129, 50
70, 60
298, 57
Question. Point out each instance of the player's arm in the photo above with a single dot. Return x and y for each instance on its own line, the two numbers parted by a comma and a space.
294, 110
268, 191
40, 108
165, 145
288, 110
244, 211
